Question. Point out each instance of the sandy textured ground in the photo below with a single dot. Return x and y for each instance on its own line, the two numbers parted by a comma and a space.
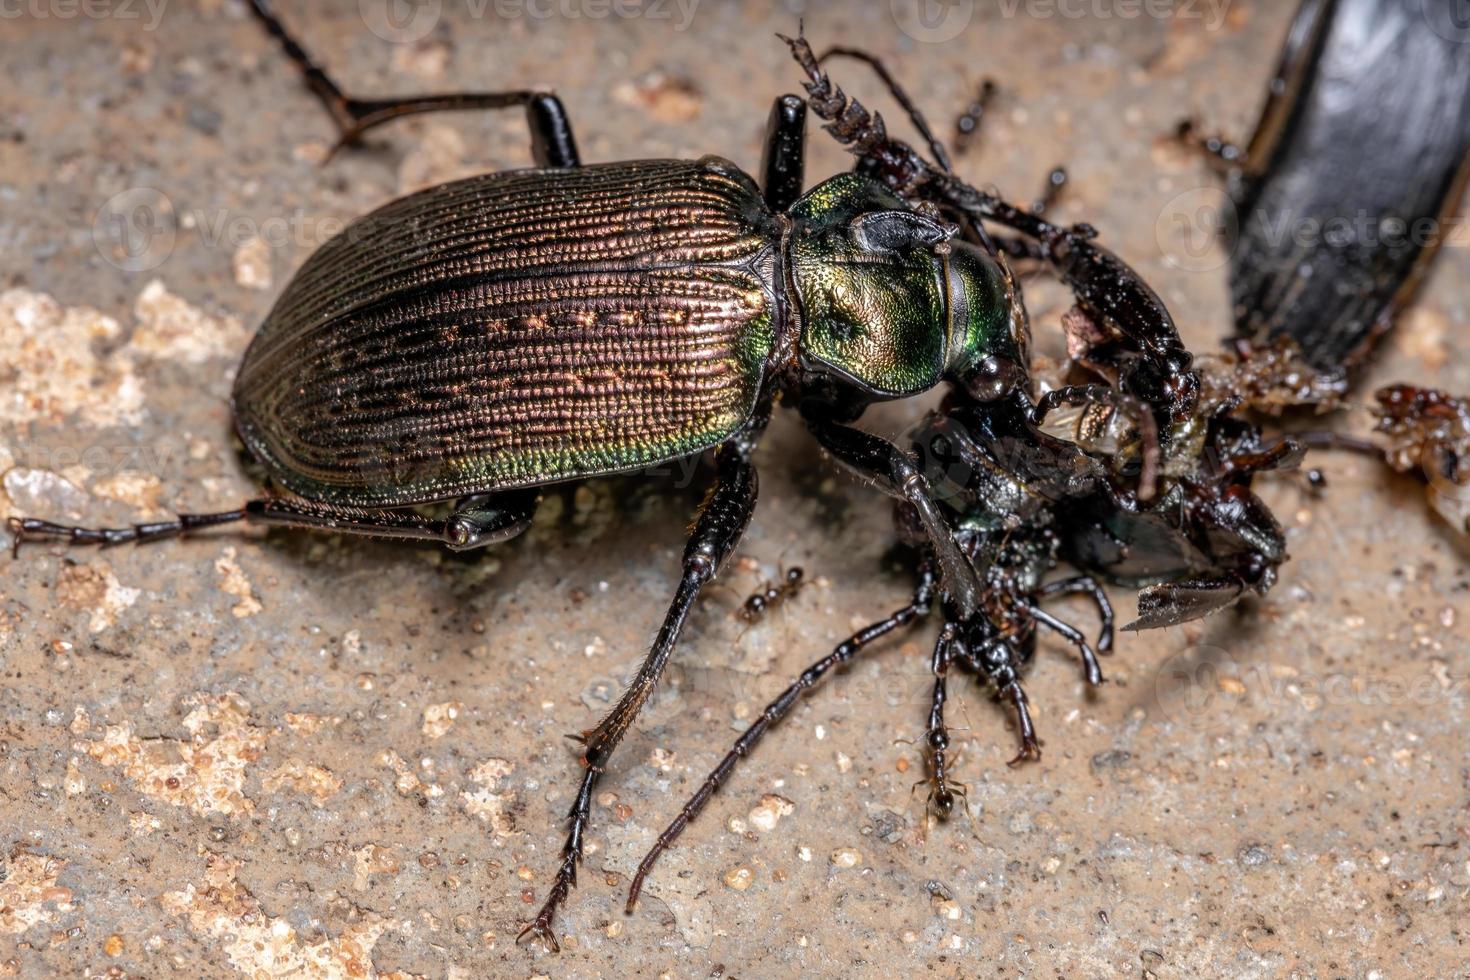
258, 754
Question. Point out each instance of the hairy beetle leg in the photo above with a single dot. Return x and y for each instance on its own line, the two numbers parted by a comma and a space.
476, 522
29, 529
722, 521
774, 712
552, 143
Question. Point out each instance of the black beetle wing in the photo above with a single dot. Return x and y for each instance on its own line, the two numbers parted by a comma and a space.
1355, 168
1172, 603
516, 329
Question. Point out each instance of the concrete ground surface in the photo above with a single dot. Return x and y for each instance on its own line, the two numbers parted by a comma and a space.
289, 754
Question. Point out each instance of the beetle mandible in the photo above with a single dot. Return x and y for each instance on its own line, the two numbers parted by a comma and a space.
482, 339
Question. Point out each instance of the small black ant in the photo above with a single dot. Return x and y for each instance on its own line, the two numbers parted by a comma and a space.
772, 594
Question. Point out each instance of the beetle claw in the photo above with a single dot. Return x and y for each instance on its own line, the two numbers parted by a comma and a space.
542, 933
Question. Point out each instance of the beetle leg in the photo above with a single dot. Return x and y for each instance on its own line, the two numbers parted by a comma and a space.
29, 529
774, 712
1088, 586
1005, 677
1092, 669
890, 469
783, 160
722, 521
477, 522
552, 144
1030, 745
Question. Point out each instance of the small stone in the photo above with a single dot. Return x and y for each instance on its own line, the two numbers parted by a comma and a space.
439, 718
765, 815
846, 857
114, 945
739, 878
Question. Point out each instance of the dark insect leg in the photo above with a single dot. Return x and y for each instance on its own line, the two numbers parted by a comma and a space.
1222, 155
552, 144
774, 712
1007, 682
1088, 586
936, 739
722, 521
476, 522
1055, 181
893, 471
783, 161
30, 529
1030, 746
967, 126
1092, 669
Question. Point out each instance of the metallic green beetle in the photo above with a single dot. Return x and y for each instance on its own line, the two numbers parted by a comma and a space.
480, 340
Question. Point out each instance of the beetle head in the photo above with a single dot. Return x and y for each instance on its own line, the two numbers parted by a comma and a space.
890, 301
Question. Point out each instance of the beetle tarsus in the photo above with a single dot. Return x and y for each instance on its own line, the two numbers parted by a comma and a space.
30, 529
1030, 744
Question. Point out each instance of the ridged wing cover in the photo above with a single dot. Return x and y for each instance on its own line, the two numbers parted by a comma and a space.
516, 329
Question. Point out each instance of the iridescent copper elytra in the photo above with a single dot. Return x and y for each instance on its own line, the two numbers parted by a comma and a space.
482, 339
